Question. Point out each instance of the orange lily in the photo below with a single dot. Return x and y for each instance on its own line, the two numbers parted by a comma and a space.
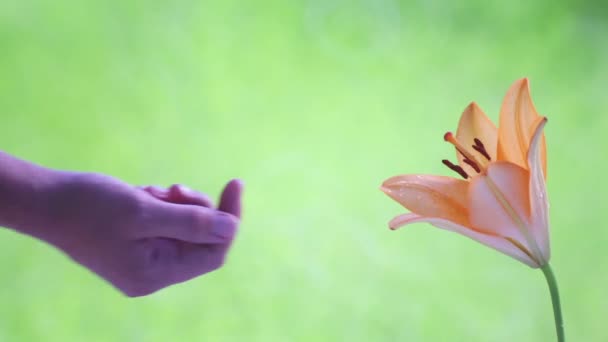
502, 201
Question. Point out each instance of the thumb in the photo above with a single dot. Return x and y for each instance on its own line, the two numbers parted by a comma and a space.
230, 200
189, 223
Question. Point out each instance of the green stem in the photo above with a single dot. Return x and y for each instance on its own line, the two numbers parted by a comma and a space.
557, 310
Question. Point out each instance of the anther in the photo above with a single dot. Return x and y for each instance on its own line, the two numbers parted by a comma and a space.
455, 168
481, 149
472, 164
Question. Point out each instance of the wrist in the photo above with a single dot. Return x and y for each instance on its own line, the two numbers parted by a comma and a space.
25, 194
46, 207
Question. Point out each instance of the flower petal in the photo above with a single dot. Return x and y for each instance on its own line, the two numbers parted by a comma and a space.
474, 124
496, 242
539, 204
427, 195
499, 203
516, 127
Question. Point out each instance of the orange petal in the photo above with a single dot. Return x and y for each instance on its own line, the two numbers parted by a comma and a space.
434, 196
496, 242
499, 203
539, 205
474, 124
516, 127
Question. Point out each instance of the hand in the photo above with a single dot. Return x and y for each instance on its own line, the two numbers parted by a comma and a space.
141, 239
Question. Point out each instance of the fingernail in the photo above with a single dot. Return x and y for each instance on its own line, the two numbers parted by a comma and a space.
240, 182
223, 226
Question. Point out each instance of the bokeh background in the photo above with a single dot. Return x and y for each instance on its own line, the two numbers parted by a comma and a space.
313, 104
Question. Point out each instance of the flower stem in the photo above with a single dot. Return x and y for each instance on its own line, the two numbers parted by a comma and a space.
557, 310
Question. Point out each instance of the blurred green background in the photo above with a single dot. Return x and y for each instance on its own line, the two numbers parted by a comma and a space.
312, 103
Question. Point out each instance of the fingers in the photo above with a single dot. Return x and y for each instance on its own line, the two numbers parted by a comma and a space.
196, 223
195, 260
188, 223
230, 200
156, 191
184, 195
179, 194
201, 236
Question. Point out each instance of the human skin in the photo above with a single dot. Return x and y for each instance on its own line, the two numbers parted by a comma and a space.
139, 239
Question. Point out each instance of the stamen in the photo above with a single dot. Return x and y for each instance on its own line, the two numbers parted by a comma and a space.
472, 164
455, 168
481, 149
449, 137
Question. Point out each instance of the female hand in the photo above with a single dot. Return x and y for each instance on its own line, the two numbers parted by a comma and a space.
140, 239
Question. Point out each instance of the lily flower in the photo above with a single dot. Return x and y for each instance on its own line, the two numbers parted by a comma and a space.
501, 200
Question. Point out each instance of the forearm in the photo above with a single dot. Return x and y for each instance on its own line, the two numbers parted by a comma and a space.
24, 188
